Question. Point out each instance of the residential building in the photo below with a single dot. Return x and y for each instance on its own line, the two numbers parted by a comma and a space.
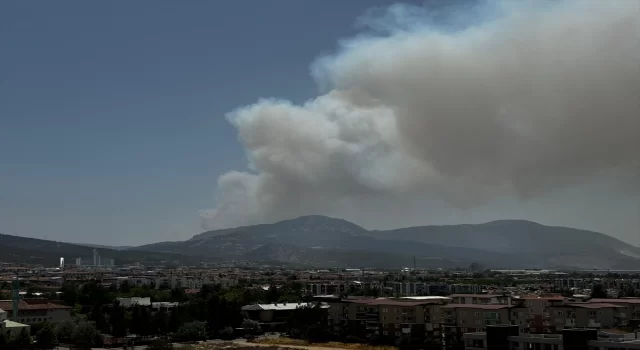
587, 315
275, 316
389, 318
463, 318
506, 337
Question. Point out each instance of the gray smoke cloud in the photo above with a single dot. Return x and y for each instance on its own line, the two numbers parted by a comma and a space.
539, 97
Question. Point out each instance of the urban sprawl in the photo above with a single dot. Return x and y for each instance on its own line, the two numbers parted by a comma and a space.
96, 303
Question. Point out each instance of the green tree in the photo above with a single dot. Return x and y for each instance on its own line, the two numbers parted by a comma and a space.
598, 291
160, 322
69, 294
46, 337
176, 319
117, 320
192, 331
125, 288
87, 336
98, 316
65, 331
250, 326
23, 340
226, 333
141, 321
4, 341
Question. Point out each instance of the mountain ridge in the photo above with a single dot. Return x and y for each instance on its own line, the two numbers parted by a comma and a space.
501, 243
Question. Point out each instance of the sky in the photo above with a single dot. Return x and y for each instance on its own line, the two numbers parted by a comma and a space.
121, 123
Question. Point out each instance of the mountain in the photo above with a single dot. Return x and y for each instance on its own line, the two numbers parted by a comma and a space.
550, 245
48, 253
318, 240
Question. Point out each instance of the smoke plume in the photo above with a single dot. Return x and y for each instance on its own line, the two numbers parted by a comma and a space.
536, 98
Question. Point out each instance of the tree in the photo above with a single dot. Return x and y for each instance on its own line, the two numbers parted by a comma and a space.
192, 331
65, 331
87, 336
176, 319
117, 320
4, 341
46, 337
160, 322
69, 294
23, 340
124, 288
97, 315
226, 333
250, 326
598, 291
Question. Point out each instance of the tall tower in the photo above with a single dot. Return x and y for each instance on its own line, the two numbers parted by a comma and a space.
95, 257
16, 298
61, 263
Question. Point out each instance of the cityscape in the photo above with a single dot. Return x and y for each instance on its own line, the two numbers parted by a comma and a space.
320, 175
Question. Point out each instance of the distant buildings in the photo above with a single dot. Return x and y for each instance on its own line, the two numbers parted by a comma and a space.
96, 261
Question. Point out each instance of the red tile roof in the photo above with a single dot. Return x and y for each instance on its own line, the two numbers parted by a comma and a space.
390, 302
480, 306
7, 305
621, 300
593, 305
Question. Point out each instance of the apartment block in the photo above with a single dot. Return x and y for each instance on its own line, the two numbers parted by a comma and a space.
463, 318
505, 337
392, 319
587, 315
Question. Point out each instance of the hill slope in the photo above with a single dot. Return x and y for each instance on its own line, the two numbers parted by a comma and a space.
549, 244
39, 251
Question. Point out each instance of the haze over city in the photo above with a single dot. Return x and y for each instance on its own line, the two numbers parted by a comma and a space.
134, 123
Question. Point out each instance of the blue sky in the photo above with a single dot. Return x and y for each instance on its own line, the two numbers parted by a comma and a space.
112, 114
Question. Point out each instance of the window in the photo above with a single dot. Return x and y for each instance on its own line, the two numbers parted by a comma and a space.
384, 318
476, 314
397, 318
462, 313
384, 309
385, 333
559, 313
479, 322
463, 322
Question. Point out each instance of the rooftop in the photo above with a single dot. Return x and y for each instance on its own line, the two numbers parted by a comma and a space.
7, 305
479, 306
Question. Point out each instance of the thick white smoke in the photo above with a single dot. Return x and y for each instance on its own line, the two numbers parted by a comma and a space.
538, 98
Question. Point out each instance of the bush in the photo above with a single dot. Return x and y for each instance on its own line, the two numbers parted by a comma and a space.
192, 331
250, 326
46, 337
226, 333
